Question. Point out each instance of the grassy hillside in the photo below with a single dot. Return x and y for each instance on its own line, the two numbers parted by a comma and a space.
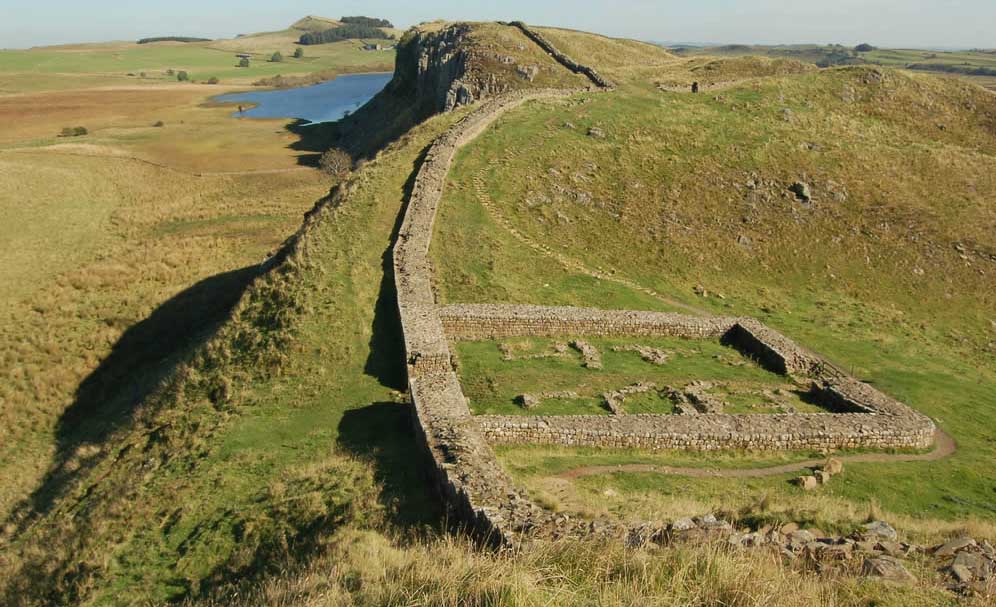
123, 251
977, 66
187, 425
246, 454
888, 268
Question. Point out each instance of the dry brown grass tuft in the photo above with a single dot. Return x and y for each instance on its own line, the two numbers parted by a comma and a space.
362, 568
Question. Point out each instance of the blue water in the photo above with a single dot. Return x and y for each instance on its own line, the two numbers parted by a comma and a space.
325, 102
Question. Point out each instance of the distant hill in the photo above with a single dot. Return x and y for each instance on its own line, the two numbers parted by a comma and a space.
282, 40
173, 39
312, 23
977, 64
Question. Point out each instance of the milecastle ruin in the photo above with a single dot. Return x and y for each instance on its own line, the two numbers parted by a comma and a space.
459, 443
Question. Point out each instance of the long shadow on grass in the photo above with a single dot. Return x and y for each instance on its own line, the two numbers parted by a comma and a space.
386, 361
382, 433
312, 138
144, 355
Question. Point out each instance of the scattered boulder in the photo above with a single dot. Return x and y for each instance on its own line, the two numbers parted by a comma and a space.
596, 133
888, 568
528, 401
683, 524
801, 191
950, 547
834, 466
654, 356
962, 573
529, 72
808, 483
590, 356
880, 529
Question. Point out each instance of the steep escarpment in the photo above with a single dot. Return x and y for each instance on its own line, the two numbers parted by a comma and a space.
441, 67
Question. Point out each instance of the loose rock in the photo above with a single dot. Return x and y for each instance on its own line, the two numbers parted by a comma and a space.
886, 567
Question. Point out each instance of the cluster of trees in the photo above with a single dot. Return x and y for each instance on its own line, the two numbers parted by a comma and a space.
865, 48
347, 31
173, 39
368, 21
278, 57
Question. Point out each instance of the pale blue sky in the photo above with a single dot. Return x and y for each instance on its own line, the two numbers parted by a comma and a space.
938, 23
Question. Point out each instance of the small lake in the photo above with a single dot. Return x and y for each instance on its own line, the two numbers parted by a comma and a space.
325, 102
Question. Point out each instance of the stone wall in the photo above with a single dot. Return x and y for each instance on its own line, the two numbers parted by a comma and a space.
772, 349
493, 321
464, 466
869, 419
815, 431
424, 334
561, 58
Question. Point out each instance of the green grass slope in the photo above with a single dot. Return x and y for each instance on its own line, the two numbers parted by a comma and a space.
889, 269
263, 439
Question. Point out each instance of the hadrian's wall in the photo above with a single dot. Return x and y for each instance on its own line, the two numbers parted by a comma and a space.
561, 58
424, 336
816, 431
464, 466
492, 321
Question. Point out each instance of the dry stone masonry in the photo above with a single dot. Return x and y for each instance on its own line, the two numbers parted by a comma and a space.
561, 58
463, 462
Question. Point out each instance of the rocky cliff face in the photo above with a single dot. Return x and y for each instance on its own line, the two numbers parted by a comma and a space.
442, 67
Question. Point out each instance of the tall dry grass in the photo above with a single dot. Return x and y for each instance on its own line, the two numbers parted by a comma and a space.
359, 568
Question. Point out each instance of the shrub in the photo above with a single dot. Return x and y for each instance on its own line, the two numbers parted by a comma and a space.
277, 57
299, 53
335, 162
182, 76
213, 80
170, 72
75, 131
159, 124
244, 62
